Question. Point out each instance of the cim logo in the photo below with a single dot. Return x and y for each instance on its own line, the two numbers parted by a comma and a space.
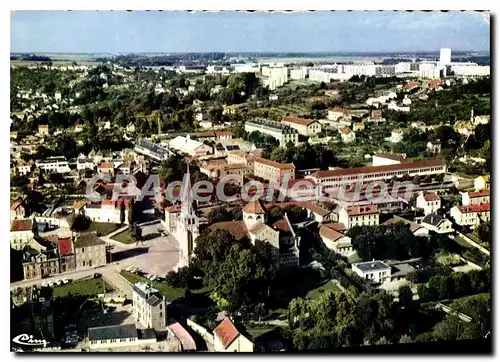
27, 340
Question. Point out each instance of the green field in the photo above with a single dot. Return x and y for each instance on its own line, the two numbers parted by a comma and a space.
329, 286
102, 228
86, 287
170, 293
124, 237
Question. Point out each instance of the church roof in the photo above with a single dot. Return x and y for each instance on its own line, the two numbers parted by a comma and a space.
254, 207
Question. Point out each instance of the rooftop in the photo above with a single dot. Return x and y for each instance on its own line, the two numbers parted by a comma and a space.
281, 166
362, 210
254, 207
481, 193
226, 332
21, 225
113, 332
376, 169
297, 120
330, 233
475, 208
88, 239
371, 265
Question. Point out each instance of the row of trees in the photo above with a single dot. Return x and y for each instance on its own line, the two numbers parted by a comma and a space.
455, 285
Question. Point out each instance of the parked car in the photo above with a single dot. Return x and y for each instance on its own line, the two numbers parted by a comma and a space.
97, 275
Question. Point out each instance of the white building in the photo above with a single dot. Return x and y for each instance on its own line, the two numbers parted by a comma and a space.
227, 338
359, 216
347, 135
149, 307
299, 73
430, 203
384, 159
397, 135
54, 164
21, 233
482, 182
474, 198
471, 215
444, 57
437, 223
376, 272
335, 240
108, 211
189, 146
305, 127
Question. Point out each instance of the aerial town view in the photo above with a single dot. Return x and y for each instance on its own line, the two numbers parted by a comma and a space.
250, 182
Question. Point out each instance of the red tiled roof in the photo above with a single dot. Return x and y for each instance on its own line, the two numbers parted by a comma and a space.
223, 133
21, 225
377, 169
257, 228
254, 207
65, 246
297, 120
79, 204
330, 233
43, 126
410, 85
108, 203
336, 226
16, 204
226, 332
105, 165
236, 228
345, 131
362, 210
184, 337
481, 193
341, 109
475, 208
281, 166
431, 197
282, 225
413, 226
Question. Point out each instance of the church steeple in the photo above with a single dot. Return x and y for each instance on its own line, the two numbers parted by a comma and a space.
186, 197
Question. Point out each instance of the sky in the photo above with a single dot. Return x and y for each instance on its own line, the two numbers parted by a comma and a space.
339, 31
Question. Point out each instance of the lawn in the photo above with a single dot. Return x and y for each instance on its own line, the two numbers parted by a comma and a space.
329, 286
91, 286
124, 237
170, 293
256, 331
102, 228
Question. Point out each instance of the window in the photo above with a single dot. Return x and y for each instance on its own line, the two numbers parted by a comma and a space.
123, 340
90, 262
83, 250
113, 340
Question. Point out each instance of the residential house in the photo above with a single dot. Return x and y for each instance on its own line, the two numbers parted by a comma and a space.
437, 224
434, 147
305, 127
107, 211
347, 135
84, 163
40, 264
106, 168
474, 198
18, 209
227, 338
25, 168
339, 112
21, 233
335, 240
43, 130
416, 229
54, 164
189, 146
396, 135
359, 216
375, 272
471, 215
375, 116
67, 258
482, 183
430, 203
90, 251
149, 307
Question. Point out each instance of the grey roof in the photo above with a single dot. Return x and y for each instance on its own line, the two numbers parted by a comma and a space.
113, 332
153, 301
88, 239
148, 333
402, 269
371, 265
433, 219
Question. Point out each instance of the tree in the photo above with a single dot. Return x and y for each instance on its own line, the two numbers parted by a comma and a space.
405, 296
260, 311
416, 180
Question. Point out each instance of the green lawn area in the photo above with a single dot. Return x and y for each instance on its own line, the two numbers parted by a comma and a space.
171, 293
91, 286
329, 286
102, 228
256, 331
124, 237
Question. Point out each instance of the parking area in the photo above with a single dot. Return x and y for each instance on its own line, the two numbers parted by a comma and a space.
158, 255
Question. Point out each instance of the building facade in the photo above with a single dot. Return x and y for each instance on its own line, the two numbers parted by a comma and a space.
150, 308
